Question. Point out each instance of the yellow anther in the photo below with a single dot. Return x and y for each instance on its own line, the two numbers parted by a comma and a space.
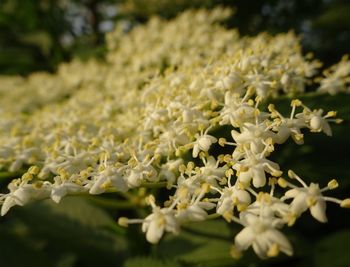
235, 252
242, 207
345, 203
201, 127
273, 251
282, 182
339, 121
291, 174
202, 154
256, 112
34, 170
221, 158
271, 108
250, 91
277, 173
27, 176
250, 102
37, 185
182, 168
299, 137
228, 158
296, 103
272, 181
331, 113
333, 184
228, 173
190, 166
123, 221
177, 153
258, 99
222, 141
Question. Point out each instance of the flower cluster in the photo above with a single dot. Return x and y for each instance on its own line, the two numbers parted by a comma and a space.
154, 113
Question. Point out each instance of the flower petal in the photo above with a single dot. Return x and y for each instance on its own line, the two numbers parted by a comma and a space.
318, 211
245, 238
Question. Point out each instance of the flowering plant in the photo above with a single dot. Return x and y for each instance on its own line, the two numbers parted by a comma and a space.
182, 117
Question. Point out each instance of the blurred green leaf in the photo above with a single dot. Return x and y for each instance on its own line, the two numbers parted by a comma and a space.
200, 244
147, 262
333, 250
334, 18
72, 230
39, 38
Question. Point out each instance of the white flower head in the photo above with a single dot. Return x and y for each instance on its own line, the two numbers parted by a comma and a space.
266, 240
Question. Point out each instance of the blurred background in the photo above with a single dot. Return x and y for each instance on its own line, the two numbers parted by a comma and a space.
37, 35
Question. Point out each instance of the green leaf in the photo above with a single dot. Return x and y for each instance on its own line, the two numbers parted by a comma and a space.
333, 250
200, 244
75, 228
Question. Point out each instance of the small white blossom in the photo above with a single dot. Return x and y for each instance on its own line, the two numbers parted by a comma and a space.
262, 236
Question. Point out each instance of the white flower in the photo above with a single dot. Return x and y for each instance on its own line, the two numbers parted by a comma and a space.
62, 188
158, 222
211, 172
169, 169
309, 197
109, 177
231, 82
23, 193
263, 237
202, 143
254, 167
194, 212
319, 123
231, 197
235, 111
253, 135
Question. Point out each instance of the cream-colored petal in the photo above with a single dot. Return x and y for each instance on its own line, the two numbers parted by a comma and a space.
245, 238
318, 211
